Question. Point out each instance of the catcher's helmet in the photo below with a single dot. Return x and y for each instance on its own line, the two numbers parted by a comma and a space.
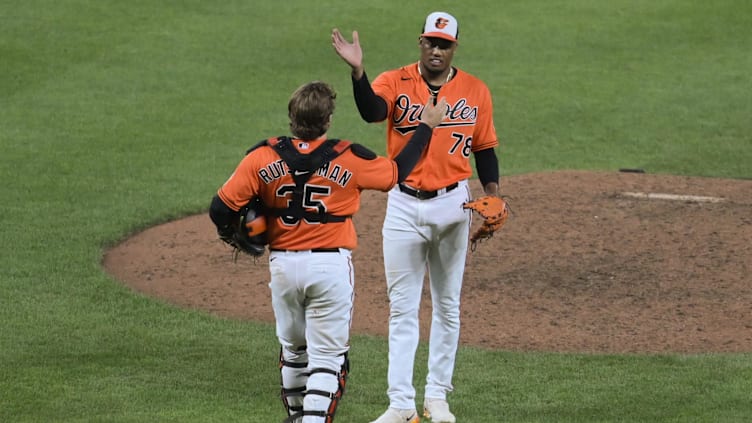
254, 222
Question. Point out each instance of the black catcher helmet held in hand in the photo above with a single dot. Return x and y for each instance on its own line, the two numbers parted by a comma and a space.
245, 230
252, 227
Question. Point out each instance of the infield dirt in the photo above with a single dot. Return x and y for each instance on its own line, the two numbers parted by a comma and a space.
582, 265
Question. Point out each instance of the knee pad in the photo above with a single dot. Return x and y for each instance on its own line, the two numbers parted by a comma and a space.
325, 389
293, 378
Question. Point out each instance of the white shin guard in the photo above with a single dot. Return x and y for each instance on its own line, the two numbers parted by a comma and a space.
293, 379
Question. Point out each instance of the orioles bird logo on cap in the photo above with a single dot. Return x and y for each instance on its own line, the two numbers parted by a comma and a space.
441, 23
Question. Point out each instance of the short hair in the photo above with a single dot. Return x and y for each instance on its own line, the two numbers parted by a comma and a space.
310, 109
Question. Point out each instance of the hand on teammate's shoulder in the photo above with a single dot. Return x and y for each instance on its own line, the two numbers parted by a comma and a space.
433, 115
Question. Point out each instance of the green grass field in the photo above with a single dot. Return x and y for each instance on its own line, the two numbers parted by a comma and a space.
116, 116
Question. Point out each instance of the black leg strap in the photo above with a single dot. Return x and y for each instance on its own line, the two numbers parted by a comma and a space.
330, 395
293, 392
293, 417
315, 413
323, 370
293, 365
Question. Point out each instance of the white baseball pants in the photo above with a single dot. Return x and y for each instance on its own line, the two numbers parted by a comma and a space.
420, 235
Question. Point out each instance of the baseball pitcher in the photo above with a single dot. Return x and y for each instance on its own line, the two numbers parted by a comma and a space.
427, 222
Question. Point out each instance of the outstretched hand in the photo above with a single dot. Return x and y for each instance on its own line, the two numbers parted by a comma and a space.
351, 53
433, 115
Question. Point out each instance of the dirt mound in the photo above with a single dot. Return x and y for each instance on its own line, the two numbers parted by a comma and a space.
588, 262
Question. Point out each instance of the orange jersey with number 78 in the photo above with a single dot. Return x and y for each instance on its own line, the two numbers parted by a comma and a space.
468, 126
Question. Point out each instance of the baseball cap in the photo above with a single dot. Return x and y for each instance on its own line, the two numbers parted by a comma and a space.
441, 25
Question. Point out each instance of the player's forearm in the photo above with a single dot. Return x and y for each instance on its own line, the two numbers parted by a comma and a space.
372, 108
487, 165
410, 154
222, 215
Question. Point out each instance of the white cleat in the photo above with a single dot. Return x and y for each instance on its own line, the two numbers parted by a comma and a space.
394, 415
438, 411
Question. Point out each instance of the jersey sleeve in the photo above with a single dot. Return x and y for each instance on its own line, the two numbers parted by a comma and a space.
242, 185
484, 136
377, 174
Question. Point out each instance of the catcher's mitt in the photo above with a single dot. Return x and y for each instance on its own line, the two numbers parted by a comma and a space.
494, 212
248, 234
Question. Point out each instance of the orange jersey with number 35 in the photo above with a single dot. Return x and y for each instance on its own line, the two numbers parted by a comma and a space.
468, 126
335, 187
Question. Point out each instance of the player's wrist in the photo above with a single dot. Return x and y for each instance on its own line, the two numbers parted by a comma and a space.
428, 124
357, 72
491, 188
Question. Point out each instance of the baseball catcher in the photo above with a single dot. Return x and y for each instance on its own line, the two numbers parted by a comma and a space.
310, 186
244, 231
494, 212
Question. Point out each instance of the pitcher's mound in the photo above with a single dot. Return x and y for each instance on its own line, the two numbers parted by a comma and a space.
587, 262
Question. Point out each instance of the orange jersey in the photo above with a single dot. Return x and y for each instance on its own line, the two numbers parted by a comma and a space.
468, 126
336, 187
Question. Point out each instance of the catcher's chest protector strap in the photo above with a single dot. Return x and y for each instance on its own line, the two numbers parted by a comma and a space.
302, 167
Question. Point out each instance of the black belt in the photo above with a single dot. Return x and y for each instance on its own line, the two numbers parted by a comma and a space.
425, 195
314, 250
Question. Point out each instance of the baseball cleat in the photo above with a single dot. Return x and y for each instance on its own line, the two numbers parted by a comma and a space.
438, 411
394, 415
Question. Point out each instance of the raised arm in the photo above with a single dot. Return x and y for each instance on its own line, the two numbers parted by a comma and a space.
371, 107
351, 53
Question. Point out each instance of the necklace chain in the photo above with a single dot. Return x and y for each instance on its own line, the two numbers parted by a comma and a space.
433, 92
